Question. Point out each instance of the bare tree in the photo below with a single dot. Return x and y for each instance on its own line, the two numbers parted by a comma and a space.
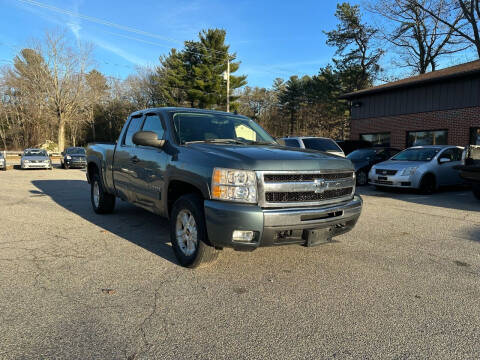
419, 37
468, 13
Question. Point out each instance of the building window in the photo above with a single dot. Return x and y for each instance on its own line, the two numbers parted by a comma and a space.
377, 139
429, 137
475, 136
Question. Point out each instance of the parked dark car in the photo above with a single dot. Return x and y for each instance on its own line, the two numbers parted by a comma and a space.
364, 159
349, 146
74, 157
470, 168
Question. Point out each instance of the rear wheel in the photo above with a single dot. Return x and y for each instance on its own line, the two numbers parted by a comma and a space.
362, 178
102, 202
476, 190
428, 185
188, 233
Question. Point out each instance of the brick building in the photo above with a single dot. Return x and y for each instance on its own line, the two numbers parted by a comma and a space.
440, 107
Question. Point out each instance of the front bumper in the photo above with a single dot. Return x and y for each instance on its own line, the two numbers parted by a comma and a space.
36, 166
396, 181
278, 226
76, 164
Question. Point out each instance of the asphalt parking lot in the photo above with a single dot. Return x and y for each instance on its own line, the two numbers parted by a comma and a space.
404, 284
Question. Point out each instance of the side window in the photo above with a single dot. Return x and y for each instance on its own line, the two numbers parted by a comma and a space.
153, 123
291, 143
133, 127
452, 154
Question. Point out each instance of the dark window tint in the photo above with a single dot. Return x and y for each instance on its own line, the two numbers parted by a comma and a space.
437, 137
133, 127
474, 136
377, 139
291, 143
321, 144
153, 123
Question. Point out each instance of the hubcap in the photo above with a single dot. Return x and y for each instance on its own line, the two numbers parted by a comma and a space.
186, 232
96, 194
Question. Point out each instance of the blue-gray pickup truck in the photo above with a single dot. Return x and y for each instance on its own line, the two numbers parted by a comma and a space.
222, 181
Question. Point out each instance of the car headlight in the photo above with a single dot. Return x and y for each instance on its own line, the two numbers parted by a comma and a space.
409, 171
69, 157
234, 185
26, 161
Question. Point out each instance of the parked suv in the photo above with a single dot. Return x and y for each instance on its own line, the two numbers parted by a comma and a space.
74, 157
223, 181
420, 167
314, 143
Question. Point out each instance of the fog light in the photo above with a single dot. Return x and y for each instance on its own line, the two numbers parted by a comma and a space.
243, 236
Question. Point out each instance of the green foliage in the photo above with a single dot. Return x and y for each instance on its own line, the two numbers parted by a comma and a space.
353, 39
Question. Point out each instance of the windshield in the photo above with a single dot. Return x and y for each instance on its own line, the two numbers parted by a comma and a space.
76, 150
218, 128
321, 144
361, 154
35, 152
420, 154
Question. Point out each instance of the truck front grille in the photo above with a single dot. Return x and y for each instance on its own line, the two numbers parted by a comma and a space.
280, 197
271, 178
308, 188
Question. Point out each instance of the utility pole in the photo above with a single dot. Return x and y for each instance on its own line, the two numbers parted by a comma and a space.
228, 83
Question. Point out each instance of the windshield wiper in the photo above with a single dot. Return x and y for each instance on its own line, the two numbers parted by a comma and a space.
217, 141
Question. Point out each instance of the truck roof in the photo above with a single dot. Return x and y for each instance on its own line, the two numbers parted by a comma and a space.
192, 110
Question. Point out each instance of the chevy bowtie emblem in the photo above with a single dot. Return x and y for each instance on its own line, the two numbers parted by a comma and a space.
384, 172
319, 185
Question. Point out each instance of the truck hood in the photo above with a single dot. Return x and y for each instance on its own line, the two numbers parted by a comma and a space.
270, 157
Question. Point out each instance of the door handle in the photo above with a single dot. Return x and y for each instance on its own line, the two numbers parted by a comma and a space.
134, 159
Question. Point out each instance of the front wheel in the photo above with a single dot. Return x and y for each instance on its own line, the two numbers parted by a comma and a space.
188, 233
102, 202
428, 185
362, 178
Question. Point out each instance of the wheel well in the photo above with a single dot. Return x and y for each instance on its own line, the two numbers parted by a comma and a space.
179, 188
429, 176
92, 169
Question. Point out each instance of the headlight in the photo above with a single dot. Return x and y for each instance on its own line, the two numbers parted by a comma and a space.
69, 157
26, 161
234, 185
409, 171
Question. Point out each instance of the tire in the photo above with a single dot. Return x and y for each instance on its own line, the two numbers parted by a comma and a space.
428, 185
362, 178
476, 190
191, 247
66, 167
62, 165
102, 202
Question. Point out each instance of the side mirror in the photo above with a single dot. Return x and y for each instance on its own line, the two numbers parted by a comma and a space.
443, 160
147, 138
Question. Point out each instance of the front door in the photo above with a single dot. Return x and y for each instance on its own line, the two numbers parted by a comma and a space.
447, 174
124, 161
150, 168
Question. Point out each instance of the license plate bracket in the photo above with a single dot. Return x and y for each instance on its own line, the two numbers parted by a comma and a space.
317, 237
382, 178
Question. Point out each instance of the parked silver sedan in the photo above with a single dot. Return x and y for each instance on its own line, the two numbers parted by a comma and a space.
420, 167
35, 159
3, 162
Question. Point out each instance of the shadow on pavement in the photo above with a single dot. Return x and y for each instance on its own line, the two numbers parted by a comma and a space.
129, 222
459, 198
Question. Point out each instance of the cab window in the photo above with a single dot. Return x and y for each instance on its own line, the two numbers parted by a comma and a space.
133, 127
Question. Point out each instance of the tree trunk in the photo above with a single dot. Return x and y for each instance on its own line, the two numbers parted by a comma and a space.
61, 133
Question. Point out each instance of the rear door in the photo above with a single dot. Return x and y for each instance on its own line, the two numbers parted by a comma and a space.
150, 169
125, 161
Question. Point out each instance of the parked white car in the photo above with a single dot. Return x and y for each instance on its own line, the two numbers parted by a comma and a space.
420, 167
314, 143
3, 162
35, 159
